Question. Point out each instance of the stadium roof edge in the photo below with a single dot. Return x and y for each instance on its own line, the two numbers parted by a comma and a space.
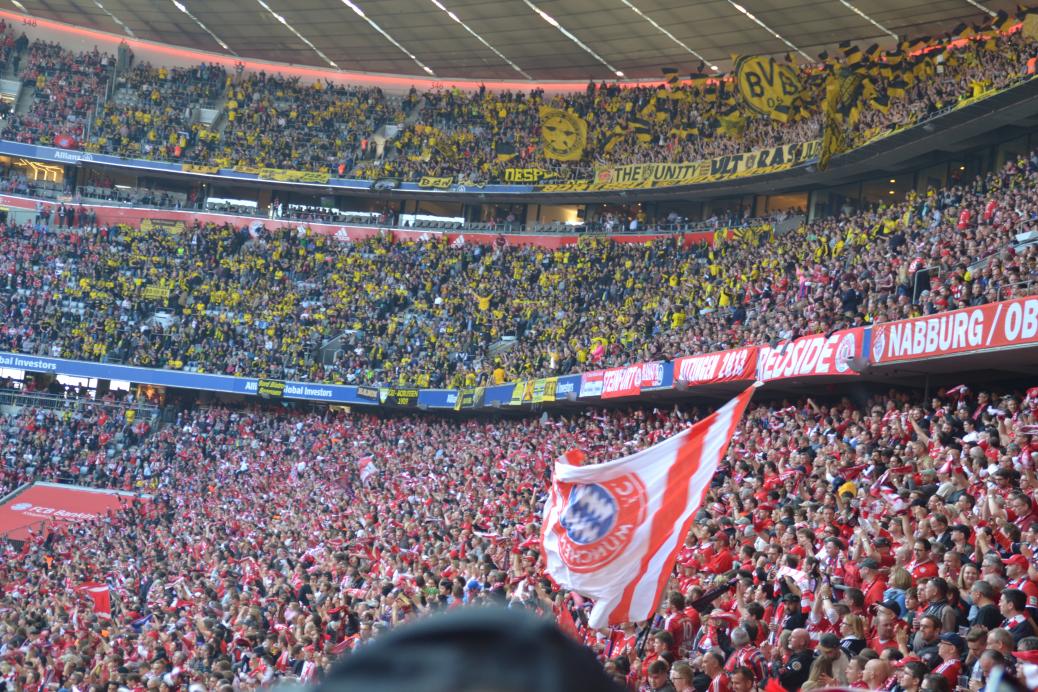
399, 43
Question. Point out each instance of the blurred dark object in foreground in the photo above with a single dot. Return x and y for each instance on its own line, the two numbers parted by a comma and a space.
472, 650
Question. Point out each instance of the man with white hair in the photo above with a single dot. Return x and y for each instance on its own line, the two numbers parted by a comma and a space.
745, 654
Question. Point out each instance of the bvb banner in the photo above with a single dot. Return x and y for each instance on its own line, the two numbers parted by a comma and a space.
284, 175
719, 168
527, 175
436, 183
197, 168
563, 134
766, 86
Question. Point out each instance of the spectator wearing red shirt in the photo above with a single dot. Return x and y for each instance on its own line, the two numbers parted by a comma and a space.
885, 624
681, 627
745, 654
723, 558
1017, 578
922, 566
873, 585
950, 650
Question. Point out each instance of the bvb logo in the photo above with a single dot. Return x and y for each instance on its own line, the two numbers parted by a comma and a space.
563, 134
600, 520
765, 85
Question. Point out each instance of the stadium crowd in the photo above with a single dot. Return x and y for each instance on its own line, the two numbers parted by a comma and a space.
428, 312
280, 122
154, 113
888, 544
66, 89
276, 122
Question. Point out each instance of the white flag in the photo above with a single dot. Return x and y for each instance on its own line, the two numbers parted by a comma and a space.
367, 468
612, 531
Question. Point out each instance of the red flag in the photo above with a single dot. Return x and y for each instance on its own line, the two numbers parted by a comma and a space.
612, 531
101, 596
851, 472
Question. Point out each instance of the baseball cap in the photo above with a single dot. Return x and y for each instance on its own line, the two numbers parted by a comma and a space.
1018, 560
891, 605
953, 638
474, 585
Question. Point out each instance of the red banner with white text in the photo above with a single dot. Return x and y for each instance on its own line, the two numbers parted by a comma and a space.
996, 325
725, 366
811, 356
618, 382
44, 504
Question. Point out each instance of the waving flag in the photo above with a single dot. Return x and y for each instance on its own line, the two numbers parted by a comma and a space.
612, 531
367, 468
102, 598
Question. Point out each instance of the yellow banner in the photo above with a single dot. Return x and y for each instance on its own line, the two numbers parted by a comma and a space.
651, 175
197, 168
563, 134
437, 183
766, 86
1030, 25
285, 176
517, 393
544, 389
293, 176
528, 175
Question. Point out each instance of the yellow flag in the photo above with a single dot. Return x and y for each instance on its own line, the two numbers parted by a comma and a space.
563, 134
1030, 25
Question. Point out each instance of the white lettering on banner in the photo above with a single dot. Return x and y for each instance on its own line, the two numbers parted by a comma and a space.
27, 363
727, 366
54, 512
305, 390
74, 156
622, 380
995, 325
1022, 321
652, 374
734, 364
698, 369
807, 356
947, 332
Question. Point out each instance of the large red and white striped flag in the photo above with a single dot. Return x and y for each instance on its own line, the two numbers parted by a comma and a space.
612, 531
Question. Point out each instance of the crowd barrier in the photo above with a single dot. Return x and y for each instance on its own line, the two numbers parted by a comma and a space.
841, 354
134, 216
